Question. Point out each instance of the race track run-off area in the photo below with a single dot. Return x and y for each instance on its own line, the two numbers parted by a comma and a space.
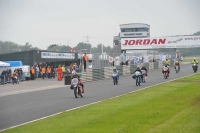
21, 108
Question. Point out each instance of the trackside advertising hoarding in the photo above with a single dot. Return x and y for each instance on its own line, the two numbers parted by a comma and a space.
160, 42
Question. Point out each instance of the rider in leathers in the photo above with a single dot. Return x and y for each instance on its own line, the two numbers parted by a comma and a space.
74, 75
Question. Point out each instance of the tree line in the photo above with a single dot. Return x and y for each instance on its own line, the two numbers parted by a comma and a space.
10, 47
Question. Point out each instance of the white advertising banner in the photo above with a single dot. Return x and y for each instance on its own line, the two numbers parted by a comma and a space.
57, 55
160, 42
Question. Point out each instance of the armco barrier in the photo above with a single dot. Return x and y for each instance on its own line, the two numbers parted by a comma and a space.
101, 73
98, 73
120, 69
87, 76
155, 65
126, 70
107, 72
160, 64
151, 68
95, 73
132, 68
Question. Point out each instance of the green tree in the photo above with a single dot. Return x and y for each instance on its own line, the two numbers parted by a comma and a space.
98, 49
82, 45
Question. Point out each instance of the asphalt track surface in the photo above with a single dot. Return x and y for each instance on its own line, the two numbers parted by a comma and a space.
24, 107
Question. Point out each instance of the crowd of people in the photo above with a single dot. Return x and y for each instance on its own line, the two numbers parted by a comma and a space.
37, 71
7, 76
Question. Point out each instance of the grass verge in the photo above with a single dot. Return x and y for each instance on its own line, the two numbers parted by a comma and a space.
172, 107
189, 59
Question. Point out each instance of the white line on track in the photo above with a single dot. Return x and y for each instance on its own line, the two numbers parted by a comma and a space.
95, 102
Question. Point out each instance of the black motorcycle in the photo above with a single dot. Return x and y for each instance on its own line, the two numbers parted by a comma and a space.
195, 67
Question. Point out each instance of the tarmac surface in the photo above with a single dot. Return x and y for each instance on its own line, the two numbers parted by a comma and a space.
31, 100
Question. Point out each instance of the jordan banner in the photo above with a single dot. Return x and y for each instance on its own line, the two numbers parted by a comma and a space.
160, 42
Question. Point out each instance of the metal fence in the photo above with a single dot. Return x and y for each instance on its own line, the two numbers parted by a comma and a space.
99, 60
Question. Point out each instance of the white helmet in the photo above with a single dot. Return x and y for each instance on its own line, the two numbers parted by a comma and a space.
194, 58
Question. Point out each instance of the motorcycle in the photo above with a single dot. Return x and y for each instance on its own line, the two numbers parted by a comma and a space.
177, 68
138, 78
77, 88
195, 68
165, 72
144, 73
115, 78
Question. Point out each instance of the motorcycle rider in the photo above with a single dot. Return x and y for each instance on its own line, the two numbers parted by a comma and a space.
116, 71
177, 64
144, 68
195, 61
167, 63
138, 70
74, 75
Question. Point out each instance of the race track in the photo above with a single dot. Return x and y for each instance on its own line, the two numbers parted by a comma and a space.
24, 107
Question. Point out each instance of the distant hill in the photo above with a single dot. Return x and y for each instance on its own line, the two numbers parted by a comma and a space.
197, 33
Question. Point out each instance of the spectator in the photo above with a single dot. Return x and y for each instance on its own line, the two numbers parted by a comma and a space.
14, 77
52, 72
63, 71
3, 76
49, 72
85, 59
9, 75
6, 76
37, 71
43, 72
20, 72
32, 72
59, 71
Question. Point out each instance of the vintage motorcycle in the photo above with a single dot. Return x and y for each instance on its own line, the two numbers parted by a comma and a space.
165, 72
195, 67
144, 73
77, 88
138, 77
177, 68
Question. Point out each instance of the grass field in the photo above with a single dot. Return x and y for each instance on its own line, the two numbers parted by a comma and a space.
168, 108
189, 59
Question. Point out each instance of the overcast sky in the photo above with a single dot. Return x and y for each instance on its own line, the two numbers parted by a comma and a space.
45, 22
